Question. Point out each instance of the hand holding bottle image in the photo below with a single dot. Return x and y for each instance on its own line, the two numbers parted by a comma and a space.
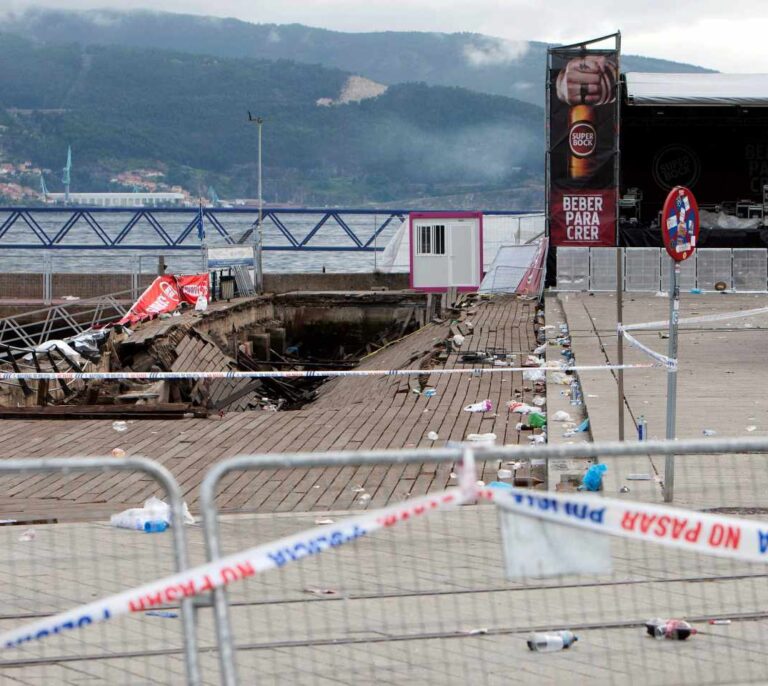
588, 80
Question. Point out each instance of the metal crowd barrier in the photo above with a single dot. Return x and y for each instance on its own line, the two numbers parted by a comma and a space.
743, 270
49, 565
440, 600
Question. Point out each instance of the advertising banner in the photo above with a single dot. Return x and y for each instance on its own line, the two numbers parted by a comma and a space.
583, 142
165, 294
192, 286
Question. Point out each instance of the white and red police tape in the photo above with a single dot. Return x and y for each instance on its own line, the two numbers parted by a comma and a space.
239, 566
685, 529
699, 532
668, 362
156, 376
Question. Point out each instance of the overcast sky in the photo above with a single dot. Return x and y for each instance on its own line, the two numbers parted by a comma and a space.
725, 35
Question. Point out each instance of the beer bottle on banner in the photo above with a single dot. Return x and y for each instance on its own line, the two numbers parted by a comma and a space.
582, 141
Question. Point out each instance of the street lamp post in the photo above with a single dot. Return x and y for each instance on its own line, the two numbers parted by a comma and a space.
259, 237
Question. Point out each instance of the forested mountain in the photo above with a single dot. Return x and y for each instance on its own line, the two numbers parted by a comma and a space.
120, 106
351, 118
474, 61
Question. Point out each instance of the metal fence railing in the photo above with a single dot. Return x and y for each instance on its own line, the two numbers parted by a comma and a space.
49, 564
743, 270
446, 598
33, 328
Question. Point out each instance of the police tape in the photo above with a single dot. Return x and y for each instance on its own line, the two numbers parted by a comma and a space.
668, 362
239, 566
703, 319
332, 373
698, 532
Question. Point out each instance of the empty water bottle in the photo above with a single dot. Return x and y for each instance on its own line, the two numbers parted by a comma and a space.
672, 629
155, 526
550, 642
575, 393
642, 429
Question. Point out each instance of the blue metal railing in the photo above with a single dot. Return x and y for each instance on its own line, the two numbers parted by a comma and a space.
175, 228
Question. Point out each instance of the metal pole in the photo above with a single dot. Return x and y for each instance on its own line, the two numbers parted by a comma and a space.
619, 260
260, 245
620, 337
674, 311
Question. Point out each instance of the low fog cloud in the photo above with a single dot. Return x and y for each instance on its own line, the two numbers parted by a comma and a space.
483, 51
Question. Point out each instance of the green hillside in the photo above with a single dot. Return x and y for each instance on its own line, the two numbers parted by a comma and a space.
478, 62
122, 107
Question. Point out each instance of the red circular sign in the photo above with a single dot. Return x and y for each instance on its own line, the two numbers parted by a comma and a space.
680, 223
582, 139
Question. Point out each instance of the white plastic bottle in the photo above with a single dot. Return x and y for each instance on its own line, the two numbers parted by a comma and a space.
550, 642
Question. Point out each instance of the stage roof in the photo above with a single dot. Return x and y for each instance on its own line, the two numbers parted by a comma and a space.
697, 89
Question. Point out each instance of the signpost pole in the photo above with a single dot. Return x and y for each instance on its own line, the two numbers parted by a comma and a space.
674, 311
620, 337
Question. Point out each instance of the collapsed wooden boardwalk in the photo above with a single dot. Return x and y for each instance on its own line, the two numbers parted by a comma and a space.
349, 414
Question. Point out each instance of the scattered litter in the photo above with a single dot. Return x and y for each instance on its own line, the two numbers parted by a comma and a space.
673, 629
324, 520
201, 304
453, 475
504, 474
539, 400
548, 643
458, 340
538, 438
153, 517
482, 406
429, 392
592, 395
537, 420
751, 428
533, 361
120, 426
358, 489
559, 378
709, 432
70, 297
118, 452
593, 479
561, 416
638, 477
480, 483
541, 349
534, 375
581, 428
624, 489
432, 436
720, 622
162, 613
482, 439
520, 408
695, 291
320, 591
476, 632
364, 498
28, 535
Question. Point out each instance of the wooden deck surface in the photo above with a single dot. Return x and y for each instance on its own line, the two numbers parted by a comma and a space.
350, 413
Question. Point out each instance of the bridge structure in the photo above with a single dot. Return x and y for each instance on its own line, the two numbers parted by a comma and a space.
121, 228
